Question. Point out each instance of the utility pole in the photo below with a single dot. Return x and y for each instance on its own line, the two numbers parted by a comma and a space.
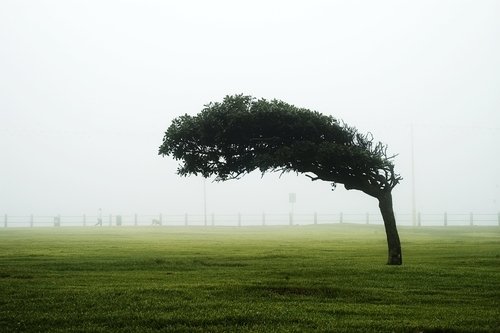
292, 197
205, 199
413, 206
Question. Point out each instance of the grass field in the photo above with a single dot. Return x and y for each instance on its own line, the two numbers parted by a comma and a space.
322, 278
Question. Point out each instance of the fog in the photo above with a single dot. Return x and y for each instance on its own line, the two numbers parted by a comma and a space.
87, 89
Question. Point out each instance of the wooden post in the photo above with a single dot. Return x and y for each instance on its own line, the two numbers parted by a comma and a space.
471, 219
84, 220
264, 218
31, 220
186, 219
5, 220
315, 218
239, 219
135, 219
367, 219
419, 220
445, 219
341, 217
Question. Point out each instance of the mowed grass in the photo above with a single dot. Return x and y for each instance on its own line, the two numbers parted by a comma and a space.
318, 278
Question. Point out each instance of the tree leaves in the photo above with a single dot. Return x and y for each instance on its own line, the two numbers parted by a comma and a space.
242, 134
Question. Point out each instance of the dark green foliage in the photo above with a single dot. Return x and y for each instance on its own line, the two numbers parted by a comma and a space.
242, 134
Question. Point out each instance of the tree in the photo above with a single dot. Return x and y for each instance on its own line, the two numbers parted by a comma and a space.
242, 134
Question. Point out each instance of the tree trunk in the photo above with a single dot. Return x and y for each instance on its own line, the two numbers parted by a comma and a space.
385, 205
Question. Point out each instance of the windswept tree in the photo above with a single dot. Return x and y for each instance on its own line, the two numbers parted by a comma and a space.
242, 134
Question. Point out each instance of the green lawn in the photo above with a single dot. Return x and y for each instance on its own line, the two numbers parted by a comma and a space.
318, 278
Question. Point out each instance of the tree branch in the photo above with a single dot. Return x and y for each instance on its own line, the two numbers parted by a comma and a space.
313, 178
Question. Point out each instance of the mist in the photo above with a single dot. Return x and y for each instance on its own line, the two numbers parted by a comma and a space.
88, 88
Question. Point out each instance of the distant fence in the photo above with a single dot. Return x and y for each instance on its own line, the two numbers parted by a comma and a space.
251, 219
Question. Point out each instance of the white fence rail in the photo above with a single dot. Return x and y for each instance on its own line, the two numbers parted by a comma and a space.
444, 219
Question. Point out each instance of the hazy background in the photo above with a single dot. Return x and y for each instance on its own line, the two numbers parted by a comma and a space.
87, 89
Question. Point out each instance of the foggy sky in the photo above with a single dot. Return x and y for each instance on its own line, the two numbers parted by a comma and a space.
87, 89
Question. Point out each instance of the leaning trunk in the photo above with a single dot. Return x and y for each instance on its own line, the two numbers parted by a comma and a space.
385, 205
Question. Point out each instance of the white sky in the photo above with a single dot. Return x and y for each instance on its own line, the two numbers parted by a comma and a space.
87, 89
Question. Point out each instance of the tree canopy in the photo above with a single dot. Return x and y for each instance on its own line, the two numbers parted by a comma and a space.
234, 137
242, 134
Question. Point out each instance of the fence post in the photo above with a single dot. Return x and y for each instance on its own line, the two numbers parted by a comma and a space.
31, 220
213, 219
186, 219
264, 218
239, 219
445, 219
5, 220
471, 219
419, 220
315, 218
341, 217
367, 218
84, 220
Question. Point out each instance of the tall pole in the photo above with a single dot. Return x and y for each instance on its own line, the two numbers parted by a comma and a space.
413, 206
205, 198
292, 198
